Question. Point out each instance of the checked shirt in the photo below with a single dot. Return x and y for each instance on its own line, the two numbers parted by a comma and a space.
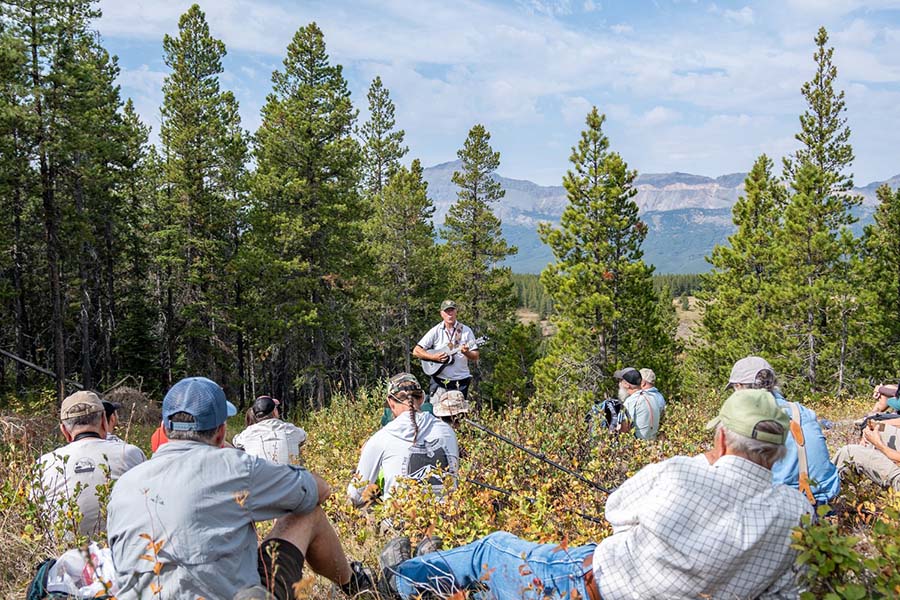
684, 528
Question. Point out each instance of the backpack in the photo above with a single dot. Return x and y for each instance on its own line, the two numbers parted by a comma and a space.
37, 589
610, 415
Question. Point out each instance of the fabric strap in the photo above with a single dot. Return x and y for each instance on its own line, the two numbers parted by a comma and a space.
797, 432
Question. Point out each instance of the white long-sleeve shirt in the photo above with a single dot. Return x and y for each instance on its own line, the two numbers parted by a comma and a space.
272, 439
390, 455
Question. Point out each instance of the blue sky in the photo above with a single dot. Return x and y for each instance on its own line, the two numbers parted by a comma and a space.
693, 86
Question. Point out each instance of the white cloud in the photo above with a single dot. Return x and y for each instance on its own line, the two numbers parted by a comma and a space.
591, 6
659, 115
575, 109
451, 64
743, 16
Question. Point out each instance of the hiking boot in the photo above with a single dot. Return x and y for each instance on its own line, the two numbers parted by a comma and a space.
395, 552
362, 582
429, 544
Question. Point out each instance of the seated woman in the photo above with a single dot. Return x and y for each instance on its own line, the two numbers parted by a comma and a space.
411, 446
268, 436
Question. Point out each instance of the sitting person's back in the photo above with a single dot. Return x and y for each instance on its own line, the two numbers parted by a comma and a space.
413, 445
199, 501
821, 479
88, 461
683, 528
268, 436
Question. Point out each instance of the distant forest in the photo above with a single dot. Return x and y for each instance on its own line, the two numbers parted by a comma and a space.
531, 295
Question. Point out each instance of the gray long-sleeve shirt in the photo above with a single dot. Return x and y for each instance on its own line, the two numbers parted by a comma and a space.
198, 504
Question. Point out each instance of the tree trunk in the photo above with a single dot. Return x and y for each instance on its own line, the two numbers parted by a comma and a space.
51, 218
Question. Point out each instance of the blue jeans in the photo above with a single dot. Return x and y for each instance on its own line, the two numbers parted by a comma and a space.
510, 567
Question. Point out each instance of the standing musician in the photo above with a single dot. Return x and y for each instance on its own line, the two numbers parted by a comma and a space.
449, 334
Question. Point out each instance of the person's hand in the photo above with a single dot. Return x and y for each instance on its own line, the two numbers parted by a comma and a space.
464, 349
872, 436
440, 357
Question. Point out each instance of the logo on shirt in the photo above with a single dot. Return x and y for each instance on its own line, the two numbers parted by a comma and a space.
425, 457
85, 465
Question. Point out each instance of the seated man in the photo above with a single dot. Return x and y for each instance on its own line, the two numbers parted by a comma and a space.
682, 528
809, 468
648, 385
112, 419
876, 455
88, 461
183, 522
642, 408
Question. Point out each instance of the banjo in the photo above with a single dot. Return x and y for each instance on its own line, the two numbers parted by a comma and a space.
434, 367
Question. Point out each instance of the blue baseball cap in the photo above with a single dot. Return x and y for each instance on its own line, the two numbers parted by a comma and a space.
201, 398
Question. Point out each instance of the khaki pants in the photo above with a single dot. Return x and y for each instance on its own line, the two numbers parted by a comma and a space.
871, 462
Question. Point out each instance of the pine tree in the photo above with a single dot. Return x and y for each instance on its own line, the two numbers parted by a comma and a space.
740, 299
198, 244
305, 219
406, 265
607, 311
475, 247
382, 143
16, 202
879, 289
815, 246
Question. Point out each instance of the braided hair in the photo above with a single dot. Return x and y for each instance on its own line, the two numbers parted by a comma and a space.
765, 380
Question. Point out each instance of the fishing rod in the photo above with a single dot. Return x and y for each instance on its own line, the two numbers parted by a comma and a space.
541, 457
508, 493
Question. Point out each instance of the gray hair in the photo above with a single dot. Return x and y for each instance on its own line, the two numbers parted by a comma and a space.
206, 436
89, 420
762, 453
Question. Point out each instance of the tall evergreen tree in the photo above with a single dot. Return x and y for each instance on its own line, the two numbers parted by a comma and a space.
741, 304
880, 287
475, 246
305, 219
382, 142
606, 308
17, 231
400, 240
197, 237
815, 246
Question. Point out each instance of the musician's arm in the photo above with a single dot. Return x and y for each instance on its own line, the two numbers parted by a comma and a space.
471, 354
422, 354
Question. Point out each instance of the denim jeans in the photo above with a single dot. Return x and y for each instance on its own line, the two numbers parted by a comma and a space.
509, 567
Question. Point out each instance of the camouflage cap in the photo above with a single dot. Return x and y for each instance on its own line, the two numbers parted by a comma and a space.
403, 382
447, 304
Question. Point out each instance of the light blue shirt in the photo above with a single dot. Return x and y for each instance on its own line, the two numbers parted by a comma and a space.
660, 399
644, 413
200, 502
824, 479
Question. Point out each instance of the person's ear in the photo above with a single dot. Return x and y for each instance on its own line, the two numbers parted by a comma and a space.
69, 437
104, 424
719, 442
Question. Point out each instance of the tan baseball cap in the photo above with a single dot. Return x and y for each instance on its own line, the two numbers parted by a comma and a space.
80, 404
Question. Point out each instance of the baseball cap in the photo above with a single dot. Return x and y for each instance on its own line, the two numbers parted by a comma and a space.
648, 375
201, 398
744, 410
451, 402
744, 371
80, 404
403, 382
629, 374
111, 407
264, 405
448, 304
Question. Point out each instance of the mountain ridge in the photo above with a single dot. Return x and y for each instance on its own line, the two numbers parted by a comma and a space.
686, 214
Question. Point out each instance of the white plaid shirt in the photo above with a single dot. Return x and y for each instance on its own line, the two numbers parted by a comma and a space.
684, 528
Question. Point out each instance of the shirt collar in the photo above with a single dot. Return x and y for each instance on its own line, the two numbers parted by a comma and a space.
753, 471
